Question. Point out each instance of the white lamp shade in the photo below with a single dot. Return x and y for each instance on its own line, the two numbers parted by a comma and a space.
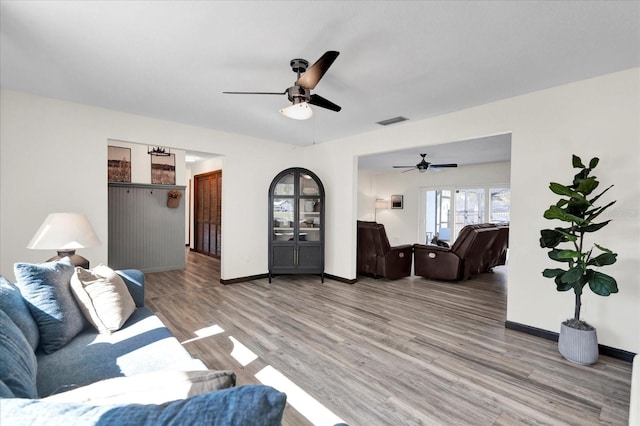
382, 204
64, 231
301, 111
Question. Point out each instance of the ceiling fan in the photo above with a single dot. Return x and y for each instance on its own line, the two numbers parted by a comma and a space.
300, 93
423, 165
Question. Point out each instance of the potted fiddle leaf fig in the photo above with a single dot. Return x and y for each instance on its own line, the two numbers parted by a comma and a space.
571, 246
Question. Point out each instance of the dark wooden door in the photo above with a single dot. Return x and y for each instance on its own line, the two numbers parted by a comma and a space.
208, 213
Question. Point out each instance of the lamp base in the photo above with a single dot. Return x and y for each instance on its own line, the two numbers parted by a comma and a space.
76, 259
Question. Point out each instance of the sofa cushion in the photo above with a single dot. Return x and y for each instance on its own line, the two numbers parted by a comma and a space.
5, 392
103, 297
17, 360
143, 345
46, 288
151, 388
256, 405
12, 303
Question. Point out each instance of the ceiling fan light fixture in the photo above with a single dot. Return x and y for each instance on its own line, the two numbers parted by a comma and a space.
298, 111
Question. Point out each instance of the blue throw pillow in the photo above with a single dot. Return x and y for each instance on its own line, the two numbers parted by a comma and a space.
18, 365
12, 303
47, 291
255, 405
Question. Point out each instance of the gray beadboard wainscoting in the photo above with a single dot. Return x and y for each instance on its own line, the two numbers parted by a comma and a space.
144, 233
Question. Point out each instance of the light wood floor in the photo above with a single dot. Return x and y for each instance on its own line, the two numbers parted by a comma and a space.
379, 352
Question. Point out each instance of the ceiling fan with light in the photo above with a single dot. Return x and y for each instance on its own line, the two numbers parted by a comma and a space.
300, 93
423, 165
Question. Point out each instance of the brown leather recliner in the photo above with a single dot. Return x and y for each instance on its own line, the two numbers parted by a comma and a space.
377, 258
465, 259
497, 254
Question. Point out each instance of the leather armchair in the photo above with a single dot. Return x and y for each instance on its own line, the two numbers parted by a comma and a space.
466, 258
497, 254
377, 258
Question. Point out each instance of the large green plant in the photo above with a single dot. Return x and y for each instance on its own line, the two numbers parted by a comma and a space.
577, 209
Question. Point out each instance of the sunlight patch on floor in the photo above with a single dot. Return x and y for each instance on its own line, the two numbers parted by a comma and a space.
300, 400
241, 353
306, 405
205, 332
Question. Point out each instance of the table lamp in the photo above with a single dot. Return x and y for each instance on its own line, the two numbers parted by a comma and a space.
65, 232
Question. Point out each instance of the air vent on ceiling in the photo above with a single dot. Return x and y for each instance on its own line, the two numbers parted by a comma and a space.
393, 120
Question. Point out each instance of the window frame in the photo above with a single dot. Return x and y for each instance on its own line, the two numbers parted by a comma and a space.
422, 231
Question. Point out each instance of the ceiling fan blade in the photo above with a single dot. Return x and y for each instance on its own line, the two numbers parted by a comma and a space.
404, 167
323, 103
443, 165
255, 93
413, 168
312, 76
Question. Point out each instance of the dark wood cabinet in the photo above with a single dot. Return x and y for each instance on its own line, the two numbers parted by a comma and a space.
296, 223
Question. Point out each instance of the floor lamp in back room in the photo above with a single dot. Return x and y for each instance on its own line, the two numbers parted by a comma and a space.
380, 204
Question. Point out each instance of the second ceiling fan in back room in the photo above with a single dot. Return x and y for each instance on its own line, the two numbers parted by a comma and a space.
423, 165
300, 93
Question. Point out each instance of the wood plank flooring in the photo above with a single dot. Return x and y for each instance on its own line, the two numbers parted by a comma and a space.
379, 352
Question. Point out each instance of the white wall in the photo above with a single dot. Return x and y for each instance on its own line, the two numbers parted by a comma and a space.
207, 166
337, 169
595, 117
406, 225
53, 157
367, 195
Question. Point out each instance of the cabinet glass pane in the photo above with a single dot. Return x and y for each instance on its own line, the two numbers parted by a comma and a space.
310, 219
308, 186
283, 217
285, 185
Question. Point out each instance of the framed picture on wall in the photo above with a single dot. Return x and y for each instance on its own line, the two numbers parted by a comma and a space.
396, 201
163, 169
119, 164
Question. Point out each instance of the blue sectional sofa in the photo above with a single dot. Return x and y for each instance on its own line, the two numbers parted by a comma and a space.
107, 377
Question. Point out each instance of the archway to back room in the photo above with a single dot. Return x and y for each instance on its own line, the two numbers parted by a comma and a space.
437, 202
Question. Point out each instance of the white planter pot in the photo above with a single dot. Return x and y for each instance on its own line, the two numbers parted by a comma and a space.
578, 346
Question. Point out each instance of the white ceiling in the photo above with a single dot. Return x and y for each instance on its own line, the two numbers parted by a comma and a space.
173, 59
476, 151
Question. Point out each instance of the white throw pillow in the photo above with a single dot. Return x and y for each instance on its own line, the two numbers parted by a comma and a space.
148, 388
103, 297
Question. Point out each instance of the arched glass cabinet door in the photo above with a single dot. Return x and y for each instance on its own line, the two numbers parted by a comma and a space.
296, 223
